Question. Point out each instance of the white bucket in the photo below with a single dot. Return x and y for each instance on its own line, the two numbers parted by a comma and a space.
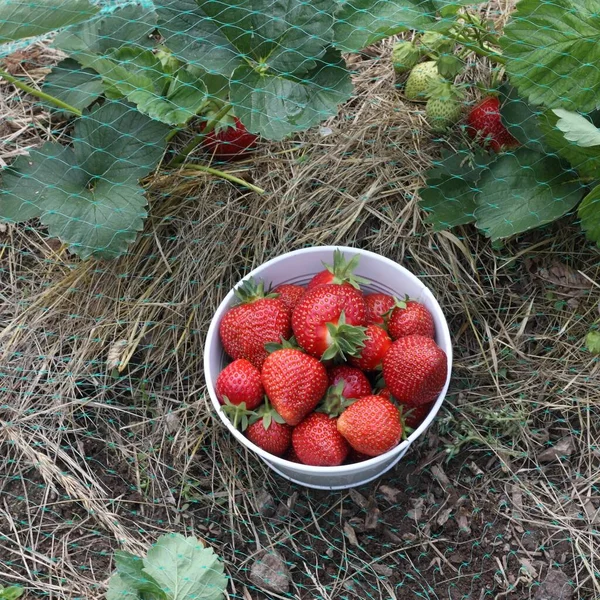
299, 267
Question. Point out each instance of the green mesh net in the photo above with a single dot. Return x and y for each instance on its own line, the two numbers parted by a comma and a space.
153, 154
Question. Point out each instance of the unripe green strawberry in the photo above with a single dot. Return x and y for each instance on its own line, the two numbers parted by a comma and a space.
405, 56
420, 80
444, 106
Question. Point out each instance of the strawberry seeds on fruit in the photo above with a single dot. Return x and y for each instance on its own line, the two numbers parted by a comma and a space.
317, 442
240, 382
484, 124
229, 140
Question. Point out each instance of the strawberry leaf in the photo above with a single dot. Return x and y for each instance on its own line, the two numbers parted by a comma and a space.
130, 571
523, 190
22, 19
576, 128
185, 569
589, 213
277, 105
553, 52
70, 83
452, 187
88, 195
586, 160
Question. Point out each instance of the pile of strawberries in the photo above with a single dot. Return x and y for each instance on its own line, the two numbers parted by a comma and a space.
324, 374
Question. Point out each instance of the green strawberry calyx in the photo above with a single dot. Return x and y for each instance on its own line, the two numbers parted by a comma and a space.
249, 291
343, 270
267, 414
238, 414
292, 344
345, 340
335, 403
445, 91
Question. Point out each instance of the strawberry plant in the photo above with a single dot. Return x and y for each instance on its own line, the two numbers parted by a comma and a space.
175, 568
539, 154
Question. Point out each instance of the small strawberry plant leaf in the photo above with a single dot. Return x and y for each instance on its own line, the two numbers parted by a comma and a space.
452, 187
577, 128
589, 213
88, 195
521, 119
130, 570
70, 83
119, 589
360, 23
130, 25
275, 106
585, 160
11, 592
22, 19
185, 569
450, 65
523, 190
553, 52
592, 342
285, 37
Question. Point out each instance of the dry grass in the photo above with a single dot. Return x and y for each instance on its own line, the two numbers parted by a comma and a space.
107, 435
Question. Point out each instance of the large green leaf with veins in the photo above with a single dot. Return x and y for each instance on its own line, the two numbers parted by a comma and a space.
523, 190
553, 52
276, 106
23, 18
88, 195
286, 36
589, 213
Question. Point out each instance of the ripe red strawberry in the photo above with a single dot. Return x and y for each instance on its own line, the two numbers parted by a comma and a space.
327, 322
371, 425
377, 307
289, 294
415, 369
410, 318
317, 441
354, 382
340, 272
260, 319
229, 140
375, 347
485, 125
240, 382
270, 432
294, 383
412, 416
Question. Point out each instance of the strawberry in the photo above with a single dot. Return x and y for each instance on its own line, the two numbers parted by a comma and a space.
294, 383
327, 322
240, 382
405, 55
375, 347
412, 416
371, 425
340, 272
485, 126
355, 382
246, 328
415, 369
317, 441
292, 456
378, 305
410, 318
289, 294
444, 107
270, 432
229, 140
420, 79
356, 457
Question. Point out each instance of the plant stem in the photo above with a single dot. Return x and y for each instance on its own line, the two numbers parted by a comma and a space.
224, 175
177, 160
479, 50
39, 94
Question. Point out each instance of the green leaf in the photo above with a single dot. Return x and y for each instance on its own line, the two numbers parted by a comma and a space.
88, 195
452, 186
360, 23
276, 106
592, 342
523, 190
11, 592
22, 18
553, 51
185, 569
126, 25
119, 589
584, 160
130, 569
577, 128
450, 65
521, 119
287, 36
70, 83
589, 213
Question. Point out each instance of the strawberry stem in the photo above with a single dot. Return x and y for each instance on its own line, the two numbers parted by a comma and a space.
343, 270
346, 340
225, 175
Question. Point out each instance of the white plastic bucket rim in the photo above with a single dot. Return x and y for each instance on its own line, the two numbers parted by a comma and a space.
343, 476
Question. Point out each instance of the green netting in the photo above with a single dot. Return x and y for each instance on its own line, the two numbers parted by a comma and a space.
153, 154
